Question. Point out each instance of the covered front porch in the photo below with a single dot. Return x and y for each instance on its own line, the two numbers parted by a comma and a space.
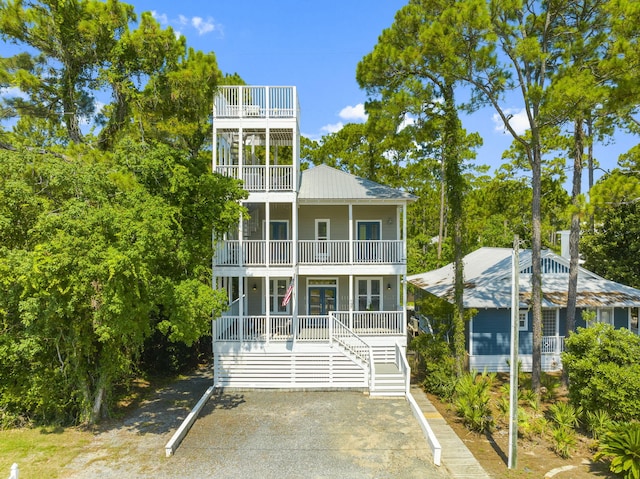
313, 328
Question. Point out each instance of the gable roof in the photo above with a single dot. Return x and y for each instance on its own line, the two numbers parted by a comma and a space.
322, 183
487, 281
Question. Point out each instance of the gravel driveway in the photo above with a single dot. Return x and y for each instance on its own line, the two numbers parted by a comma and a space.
262, 434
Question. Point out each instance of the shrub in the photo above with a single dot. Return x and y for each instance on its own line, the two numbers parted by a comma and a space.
597, 422
564, 441
471, 401
603, 366
621, 446
565, 415
439, 366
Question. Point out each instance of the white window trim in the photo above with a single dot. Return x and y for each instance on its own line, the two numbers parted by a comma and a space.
273, 295
557, 325
524, 327
368, 221
335, 284
612, 317
368, 279
323, 220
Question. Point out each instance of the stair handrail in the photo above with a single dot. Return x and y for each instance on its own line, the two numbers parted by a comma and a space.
403, 366
352, 344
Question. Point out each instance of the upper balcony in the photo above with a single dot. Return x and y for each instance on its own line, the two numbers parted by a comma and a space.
242, 101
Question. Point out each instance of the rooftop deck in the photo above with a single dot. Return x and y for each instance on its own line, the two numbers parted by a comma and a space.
256, 102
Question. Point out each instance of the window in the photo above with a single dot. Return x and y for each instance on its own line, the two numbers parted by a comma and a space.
549, 322
523, 321
277, 290
605, 315
369, 294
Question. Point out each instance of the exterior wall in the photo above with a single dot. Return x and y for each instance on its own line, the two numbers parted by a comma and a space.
338, 215
491, 339
390, 299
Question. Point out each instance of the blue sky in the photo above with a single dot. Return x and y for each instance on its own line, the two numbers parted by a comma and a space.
315, 46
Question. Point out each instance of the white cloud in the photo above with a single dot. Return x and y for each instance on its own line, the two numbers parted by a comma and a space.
353, 113
161, 17
517, 119
407, 121
332, 128
182, 22
13, 91
203, 26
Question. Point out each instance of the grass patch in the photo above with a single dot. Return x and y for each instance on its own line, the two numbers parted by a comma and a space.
40, 452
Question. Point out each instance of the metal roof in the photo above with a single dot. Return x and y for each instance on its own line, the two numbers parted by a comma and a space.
487, 280
322, 183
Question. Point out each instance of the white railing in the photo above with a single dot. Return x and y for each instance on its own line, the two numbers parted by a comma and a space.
323, 252
280, 178
552, 344
254, 177
349, 340
252, 253
403, 366
231, 327
253, 328
378, 251
373, 323
313, 328
242, 101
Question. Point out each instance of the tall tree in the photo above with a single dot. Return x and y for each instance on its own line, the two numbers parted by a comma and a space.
415, 66
72, 40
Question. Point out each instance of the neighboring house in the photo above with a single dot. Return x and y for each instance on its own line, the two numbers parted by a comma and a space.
316, 274
488, 287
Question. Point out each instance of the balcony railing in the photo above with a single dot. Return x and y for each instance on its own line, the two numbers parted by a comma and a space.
310, 328
260, 177
309, 252
255, 102
552, 344
253, 253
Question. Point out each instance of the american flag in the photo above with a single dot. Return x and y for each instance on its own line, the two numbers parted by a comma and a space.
287, 295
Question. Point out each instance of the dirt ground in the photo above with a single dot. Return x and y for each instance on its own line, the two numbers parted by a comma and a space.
535, 458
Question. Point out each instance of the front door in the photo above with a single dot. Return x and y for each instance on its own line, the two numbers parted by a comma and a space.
322, 300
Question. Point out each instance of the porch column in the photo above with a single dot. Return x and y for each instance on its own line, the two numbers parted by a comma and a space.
242, 299
267, 303
267, 233
351, 246
351, 301
267, 160
404, 268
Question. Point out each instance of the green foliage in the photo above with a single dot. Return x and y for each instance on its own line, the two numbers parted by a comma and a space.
564, 441
613, 249
603, 365
99, 252
564, 415
437, 360
621, 446
597, 422
472, 401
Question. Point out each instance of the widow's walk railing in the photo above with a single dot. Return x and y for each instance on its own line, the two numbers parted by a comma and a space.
247, 101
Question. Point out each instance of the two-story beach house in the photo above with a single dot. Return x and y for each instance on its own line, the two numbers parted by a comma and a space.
315, 274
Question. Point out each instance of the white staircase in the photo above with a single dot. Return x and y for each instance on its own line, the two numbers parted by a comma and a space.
389, 381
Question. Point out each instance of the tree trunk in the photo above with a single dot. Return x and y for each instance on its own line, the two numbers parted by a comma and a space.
574, 235
536, 268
